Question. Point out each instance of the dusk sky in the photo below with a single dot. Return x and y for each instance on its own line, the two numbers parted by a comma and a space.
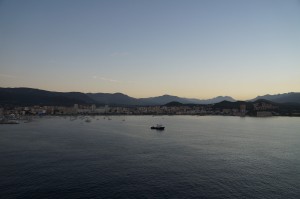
198, 49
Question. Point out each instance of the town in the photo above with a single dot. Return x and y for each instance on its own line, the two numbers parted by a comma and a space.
259, 109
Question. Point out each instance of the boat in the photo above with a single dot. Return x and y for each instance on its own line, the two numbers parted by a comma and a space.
9, 122
88, 120
158, 127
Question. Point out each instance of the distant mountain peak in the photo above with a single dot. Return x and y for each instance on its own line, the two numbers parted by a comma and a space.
118, 93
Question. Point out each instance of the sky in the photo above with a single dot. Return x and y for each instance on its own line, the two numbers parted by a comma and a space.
189, 48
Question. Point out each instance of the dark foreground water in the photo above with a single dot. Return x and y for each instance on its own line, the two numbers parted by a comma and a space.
195, 157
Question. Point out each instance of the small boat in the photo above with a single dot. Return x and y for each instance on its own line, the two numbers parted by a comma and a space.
9, 122
158, 127
88, 120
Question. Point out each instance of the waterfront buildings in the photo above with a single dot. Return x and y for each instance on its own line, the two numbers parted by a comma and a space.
260, 109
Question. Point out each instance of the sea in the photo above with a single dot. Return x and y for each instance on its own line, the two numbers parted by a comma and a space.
121, 157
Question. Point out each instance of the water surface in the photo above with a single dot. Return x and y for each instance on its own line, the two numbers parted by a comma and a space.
195, 157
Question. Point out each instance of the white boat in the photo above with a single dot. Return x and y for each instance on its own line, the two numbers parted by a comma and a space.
9, 121
158, 127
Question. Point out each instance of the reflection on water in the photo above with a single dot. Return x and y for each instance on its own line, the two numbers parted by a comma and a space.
121, 157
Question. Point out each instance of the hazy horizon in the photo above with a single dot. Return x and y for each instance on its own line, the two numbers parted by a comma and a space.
192, 49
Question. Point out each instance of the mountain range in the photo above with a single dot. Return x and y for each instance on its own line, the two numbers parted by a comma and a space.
164, 99
281, 98
31, 96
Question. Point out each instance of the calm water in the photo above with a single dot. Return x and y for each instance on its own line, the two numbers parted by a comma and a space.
195, 157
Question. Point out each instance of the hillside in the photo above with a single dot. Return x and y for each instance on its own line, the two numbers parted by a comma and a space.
115, 99
29, 96
164, 99
281, 98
